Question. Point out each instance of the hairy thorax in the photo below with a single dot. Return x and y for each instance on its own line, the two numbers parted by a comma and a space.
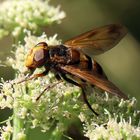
63, 55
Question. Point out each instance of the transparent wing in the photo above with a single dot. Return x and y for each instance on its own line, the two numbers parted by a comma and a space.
98, 40
94, 79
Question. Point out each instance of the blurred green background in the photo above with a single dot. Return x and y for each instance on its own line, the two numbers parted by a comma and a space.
122, 63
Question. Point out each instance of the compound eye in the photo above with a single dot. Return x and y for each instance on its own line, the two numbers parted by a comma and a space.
39, 55
42, 44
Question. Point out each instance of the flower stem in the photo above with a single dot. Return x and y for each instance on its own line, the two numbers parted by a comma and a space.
18, 125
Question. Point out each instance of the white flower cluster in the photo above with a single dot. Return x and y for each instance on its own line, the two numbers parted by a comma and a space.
113, 130
16, 15
121, 121
58, 103
6, 131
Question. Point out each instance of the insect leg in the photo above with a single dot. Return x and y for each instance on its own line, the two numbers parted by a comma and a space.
34, 76
86, 100
82, 86
48, 88
57, 76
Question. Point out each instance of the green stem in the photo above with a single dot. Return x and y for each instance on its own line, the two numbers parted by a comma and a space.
55, 135
18, 125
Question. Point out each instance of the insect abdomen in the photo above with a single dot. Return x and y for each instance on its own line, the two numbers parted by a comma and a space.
98, 69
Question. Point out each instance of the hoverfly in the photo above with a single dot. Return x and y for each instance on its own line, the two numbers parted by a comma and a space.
73, 58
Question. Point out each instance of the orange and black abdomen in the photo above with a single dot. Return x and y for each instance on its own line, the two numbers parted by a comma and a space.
98, 69
86, 63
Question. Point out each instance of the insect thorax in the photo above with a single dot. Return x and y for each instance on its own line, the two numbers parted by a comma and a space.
63, 55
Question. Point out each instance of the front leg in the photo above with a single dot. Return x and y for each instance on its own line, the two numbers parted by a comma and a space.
29, 77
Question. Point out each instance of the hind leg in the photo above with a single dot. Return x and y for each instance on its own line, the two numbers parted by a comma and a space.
82, 85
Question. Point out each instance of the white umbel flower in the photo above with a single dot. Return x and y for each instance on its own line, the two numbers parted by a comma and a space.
17, 15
